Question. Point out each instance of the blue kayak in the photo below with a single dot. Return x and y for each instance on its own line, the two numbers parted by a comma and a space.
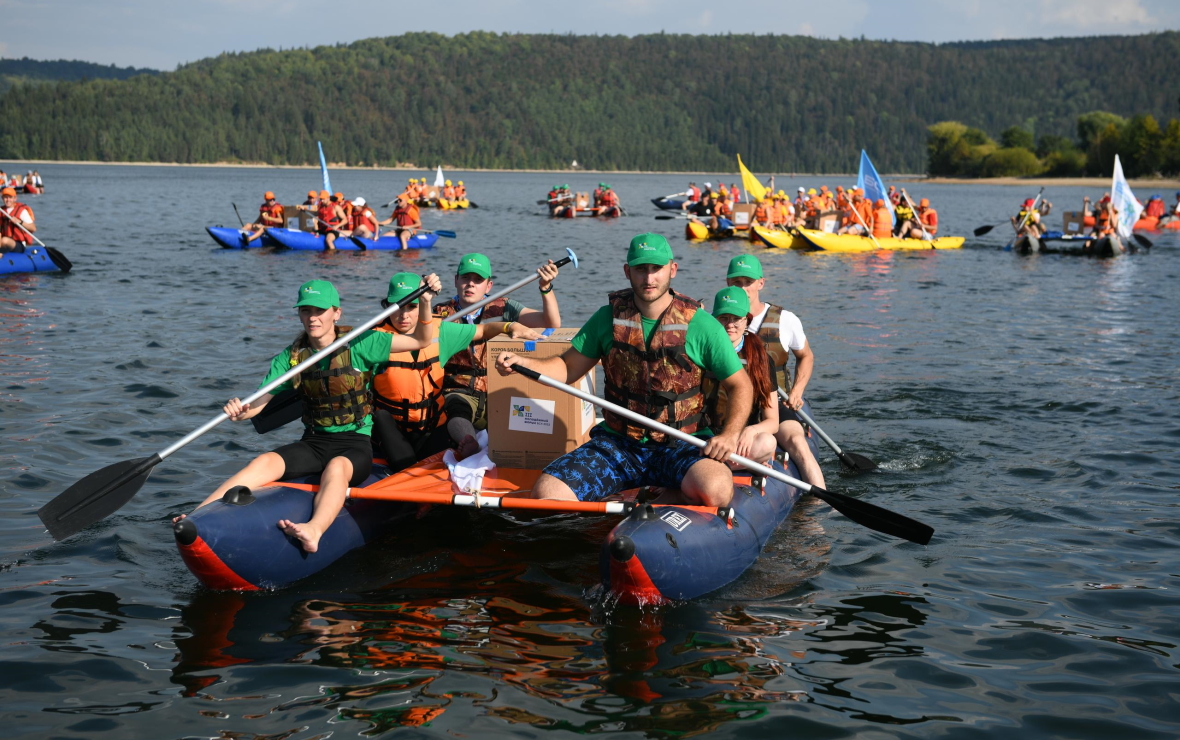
34, 259
235, 543
230, 238
668, 204
315, 242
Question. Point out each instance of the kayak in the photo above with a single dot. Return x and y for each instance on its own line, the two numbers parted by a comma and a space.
851, 243
668, 204
34, 259
304, 240
576, 212
656, 554
230, 238
453, 205
1149, 223
780, 239
695, 229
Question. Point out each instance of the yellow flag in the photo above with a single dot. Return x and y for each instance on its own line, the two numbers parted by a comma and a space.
750, 183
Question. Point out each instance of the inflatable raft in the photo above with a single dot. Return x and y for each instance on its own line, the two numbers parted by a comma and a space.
308, 241
34, 259
778, 239
668, 204
654, 555
230, 238
696, 230
1055, 242
453, 205
850, 243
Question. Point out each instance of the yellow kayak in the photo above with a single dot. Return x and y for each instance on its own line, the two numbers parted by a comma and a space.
849, 243
451, 205
779, 239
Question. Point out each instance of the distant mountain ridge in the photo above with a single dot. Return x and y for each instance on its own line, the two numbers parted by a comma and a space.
654, 102
34, 71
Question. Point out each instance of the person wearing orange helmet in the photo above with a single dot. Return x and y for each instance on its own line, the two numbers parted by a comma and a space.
882, 224
924, 224
406, 217
270, 216
329, 218
17, 223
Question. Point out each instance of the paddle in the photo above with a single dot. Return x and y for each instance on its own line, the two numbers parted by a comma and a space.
286, 406
1017, 229
863, 513
1142, 240
673, 195
917, 216
857, 462
868, 231
240, 221
105, 491
673, 217
55, 256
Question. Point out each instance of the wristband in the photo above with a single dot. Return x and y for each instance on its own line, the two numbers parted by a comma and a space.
547, 291
508, 326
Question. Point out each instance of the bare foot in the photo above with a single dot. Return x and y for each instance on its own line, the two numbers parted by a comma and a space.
176, 519
307, 535
467, 448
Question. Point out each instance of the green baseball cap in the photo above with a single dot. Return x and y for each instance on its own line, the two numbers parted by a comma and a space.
474, 262
602, 184
732, 300
318, 293
649, 249
401, 285
744, 265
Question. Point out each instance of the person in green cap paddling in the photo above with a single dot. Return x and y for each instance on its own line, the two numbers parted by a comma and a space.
655, 346
337, 397
409, 419
731, 307
782, 333
466, 382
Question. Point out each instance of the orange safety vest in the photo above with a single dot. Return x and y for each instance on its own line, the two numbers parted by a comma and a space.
467, 371
449, 192
406, 215
11, 230
460, 192
276, 213
655, 379
326, 212
929, 218
882, 223
694, 193
761, 213
411, 389
364, 216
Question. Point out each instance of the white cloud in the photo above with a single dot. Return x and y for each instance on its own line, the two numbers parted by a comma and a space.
1095, 16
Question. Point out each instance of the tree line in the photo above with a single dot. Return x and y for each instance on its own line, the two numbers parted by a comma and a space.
33, 71
1145, 149
675, 102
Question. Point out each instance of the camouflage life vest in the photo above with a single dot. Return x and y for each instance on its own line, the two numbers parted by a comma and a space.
334, 396
467, 371
656, 380
780, 356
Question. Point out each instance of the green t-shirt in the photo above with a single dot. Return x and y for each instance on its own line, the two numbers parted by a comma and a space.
453, 338
705, 343
369, 352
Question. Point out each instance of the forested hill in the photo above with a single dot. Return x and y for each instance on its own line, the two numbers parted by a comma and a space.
785, 103
33, 71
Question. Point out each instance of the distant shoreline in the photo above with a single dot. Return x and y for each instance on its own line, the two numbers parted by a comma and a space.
1085, 182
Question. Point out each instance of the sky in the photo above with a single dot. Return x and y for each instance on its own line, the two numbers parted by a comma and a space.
164, 33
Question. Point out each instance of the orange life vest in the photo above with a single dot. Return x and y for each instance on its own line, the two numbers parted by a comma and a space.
694, 193
460, 192
326, 212
364, 216
410, 389
449, 192
929, 218
882, 223
276, 213
761, 213
467, 371
655, 380
11, 230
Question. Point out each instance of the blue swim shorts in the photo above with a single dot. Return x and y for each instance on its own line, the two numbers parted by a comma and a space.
611, 463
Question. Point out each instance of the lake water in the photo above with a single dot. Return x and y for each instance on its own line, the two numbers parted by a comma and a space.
1026, 408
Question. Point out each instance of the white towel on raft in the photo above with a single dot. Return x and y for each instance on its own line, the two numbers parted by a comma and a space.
467, 475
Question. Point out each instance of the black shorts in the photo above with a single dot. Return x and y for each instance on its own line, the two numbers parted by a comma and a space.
786, 414
311, 454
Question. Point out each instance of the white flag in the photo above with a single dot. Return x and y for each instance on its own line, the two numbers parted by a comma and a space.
438, 178
1124, 200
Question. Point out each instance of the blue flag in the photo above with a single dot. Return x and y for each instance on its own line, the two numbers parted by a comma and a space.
324, 168
869, 181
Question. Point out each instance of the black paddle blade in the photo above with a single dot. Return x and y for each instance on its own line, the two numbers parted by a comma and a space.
281, 410
1142, 240
876, 518
96, 496
472, 204
59, 259
859, 463
983, 230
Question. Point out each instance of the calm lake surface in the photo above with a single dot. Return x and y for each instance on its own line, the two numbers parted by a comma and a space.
1026, 408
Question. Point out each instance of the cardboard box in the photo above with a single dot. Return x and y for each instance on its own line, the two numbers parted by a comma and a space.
828, 221
743, 214
1073, 222
530, 424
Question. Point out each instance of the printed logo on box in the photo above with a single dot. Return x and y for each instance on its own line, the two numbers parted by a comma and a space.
675, 520
531, 415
